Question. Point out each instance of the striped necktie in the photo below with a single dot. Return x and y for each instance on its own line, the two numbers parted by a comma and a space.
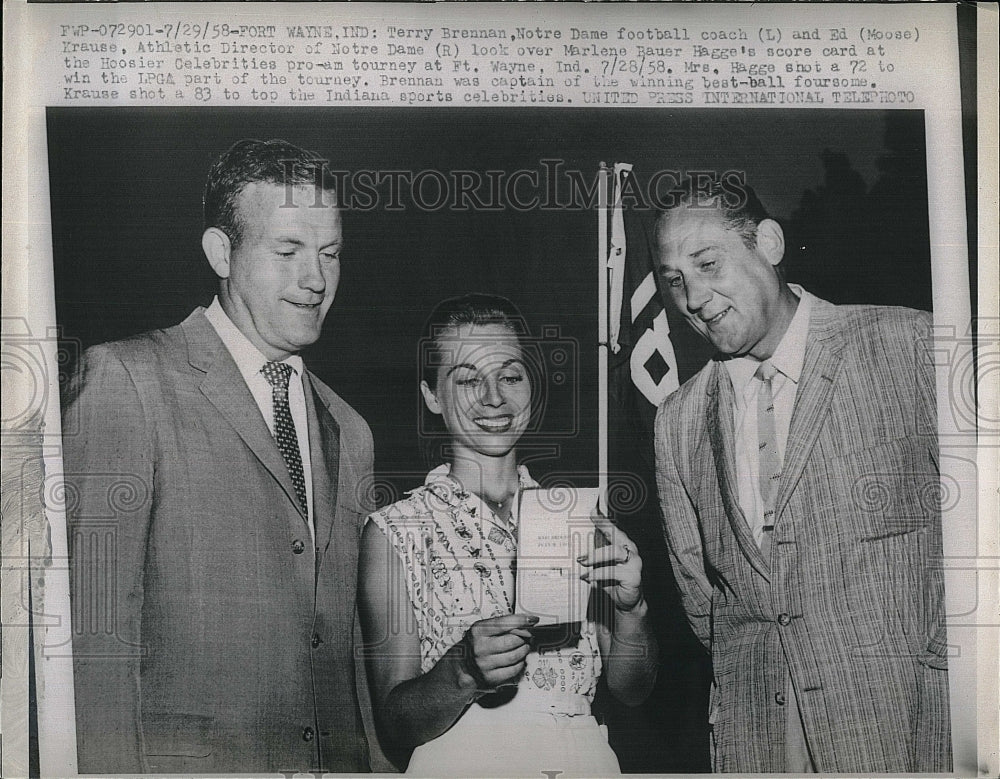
768, 461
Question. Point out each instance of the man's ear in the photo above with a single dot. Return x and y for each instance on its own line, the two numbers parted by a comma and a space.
771, 241
430, 399
215, 243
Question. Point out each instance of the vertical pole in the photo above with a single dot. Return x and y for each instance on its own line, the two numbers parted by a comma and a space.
602, 337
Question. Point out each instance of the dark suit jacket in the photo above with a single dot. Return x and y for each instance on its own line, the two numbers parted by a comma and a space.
850, 601
207, 635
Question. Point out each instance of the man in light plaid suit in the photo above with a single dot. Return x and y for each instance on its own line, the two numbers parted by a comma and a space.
798, 479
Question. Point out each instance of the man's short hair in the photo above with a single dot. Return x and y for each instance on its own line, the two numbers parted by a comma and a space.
251, 161
736, 200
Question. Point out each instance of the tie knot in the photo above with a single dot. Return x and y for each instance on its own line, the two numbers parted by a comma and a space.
766, 371
277, 374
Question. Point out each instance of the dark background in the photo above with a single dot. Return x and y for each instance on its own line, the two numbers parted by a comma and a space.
849, 187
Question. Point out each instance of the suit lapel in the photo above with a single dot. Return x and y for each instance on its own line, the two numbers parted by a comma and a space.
723, 437
812, 400
324, 448
225, 388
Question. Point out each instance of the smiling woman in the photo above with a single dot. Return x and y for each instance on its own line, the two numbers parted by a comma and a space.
480, 384
457, 676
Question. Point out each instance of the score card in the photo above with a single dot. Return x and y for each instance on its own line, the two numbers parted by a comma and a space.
554, 528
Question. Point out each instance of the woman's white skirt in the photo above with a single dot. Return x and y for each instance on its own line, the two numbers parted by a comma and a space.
509, 741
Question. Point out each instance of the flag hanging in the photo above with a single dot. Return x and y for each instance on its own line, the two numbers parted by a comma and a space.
639, 330
642, 360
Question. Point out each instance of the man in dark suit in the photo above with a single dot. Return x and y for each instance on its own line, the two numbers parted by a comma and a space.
798, 475
215, 495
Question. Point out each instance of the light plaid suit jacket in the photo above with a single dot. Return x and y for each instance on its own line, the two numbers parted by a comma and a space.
850, 602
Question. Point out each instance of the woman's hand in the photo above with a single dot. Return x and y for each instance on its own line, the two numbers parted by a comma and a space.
628, 647
617, 567
412, 706
493, 651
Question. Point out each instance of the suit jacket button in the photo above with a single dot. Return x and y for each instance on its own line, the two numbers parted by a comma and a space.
298, 547
316, 640
784, 620
779, 698
308, 734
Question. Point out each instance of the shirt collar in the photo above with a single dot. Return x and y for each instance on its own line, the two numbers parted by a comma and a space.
440, 482
248, 358
788, 357
791, 352
443, 472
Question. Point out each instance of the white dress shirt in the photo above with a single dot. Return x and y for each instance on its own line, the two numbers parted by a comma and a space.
250, 360
788, 358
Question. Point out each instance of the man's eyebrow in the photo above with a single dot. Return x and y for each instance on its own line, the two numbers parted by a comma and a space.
471, 367
297, 242
465, 365
697, 254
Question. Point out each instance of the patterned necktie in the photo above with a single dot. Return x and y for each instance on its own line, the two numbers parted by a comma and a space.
277, 375
769, 463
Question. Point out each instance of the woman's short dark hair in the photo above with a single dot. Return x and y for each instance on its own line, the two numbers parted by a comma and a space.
251, 161
473, 309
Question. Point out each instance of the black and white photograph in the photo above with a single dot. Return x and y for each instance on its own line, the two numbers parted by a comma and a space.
848, 192
511, 440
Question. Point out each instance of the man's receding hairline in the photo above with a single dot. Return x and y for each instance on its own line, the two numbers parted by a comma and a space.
245, 194
718, 209
243, 200
330, 193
